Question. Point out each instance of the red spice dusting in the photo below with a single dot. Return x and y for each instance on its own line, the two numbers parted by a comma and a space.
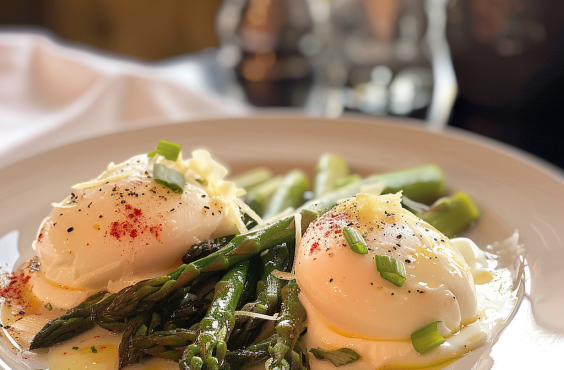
314, 247
155, 230
12, 289
120, 229
134, 225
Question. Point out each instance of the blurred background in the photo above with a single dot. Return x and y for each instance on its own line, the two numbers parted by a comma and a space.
495, 67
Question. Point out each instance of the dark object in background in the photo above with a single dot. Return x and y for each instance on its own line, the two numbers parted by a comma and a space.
262, 43
511, 72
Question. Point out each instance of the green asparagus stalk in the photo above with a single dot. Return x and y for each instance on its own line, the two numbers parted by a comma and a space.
253, 354
205, 248
258, 196
135, 327
329, 169
423, 184
165, 344
250, 287
240, 249
251, 178
75, 321
288, 195
266, 302
346, 180
142, 296
419, 183
289, 325
452, 215
210, 347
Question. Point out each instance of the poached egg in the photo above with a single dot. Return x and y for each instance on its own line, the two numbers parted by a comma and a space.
350, 305
124, 227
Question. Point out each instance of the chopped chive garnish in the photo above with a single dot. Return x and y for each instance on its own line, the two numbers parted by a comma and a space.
75, 348
337, 357
93, 349
391, 269
168, 177
169, 150
48, 306
427, 338
202, 182
355, 240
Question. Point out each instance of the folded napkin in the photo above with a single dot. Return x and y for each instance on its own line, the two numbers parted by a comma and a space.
51, 94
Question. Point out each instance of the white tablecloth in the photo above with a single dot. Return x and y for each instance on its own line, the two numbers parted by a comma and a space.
52, 93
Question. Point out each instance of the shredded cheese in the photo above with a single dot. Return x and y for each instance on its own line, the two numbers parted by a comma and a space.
283, 275
248, 210
257, 315
93, 183
298, 225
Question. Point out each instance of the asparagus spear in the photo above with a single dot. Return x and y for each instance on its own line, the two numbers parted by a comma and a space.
452, 215
251, 178
330, 168
250, 287
75, 321
142, 296
205, 248
165, 344
190, 309
241, 248
258, 196
266, 302
210, 346
289, 326
343, 181
248, 356
423, 184
135, 327
289, 193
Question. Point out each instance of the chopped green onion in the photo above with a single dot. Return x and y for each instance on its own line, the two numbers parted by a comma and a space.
355, 240
93, 349
75, 348
427, 338
337, 357
169, 150
202, 182
48, 306
169, 177
391, 269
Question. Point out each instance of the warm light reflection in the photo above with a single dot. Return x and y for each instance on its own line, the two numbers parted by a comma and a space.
258, 12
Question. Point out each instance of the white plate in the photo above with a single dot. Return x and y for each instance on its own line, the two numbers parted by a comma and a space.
514, 191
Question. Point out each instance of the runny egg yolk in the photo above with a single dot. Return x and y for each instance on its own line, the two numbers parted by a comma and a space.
121, 231
350, 305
